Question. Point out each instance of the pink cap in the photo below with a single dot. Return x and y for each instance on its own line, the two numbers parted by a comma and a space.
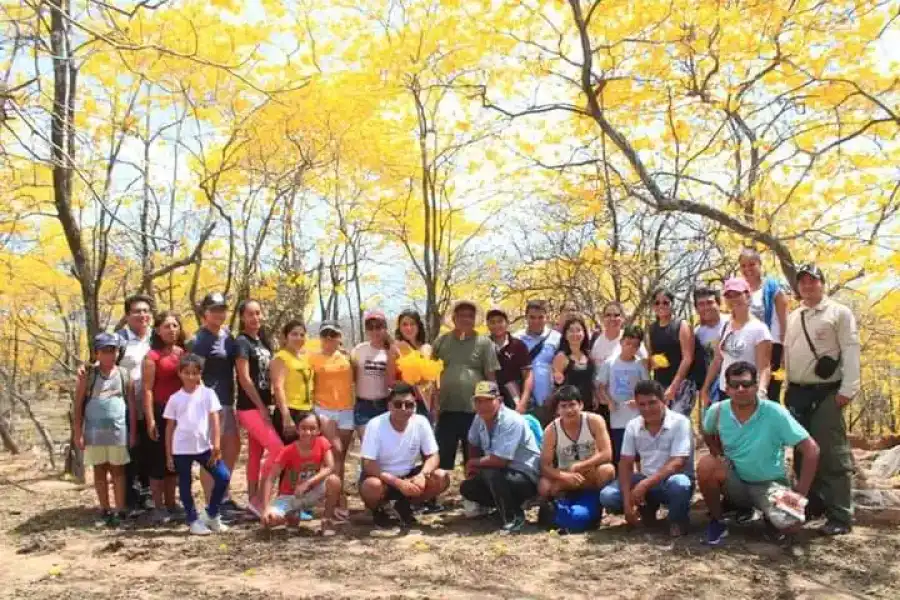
736, 284
374, 315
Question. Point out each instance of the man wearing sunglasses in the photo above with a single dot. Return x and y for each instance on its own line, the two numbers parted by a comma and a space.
505, 465
746, 437
822, 367
391, 447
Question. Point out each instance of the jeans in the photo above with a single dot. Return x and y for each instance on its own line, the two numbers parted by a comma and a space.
220, 475
261, 436
453, 429
675, 492
504, 488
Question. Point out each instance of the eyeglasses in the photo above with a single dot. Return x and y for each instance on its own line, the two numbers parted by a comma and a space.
662, 303
741, 383
404, 404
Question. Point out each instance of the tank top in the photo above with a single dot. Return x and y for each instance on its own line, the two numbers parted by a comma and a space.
104, 413
569, 451
581, 375
665, 341
298, 380
165, 381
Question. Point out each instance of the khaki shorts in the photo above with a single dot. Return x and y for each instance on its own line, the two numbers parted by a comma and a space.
106, 455
757, 494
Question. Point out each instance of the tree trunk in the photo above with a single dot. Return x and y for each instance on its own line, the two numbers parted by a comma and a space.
8, 442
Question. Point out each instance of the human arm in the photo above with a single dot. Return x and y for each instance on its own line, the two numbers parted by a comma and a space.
712, 374
810, 451
148, 378
710, 431
132, 412
686, 341
242, 367
170, 434
390, 374
527, 388
215, 433
78, 421
325, 469
764, 364
277, 374
490, 364
560, 362
781, 309
548, 454
602, 444
848, 340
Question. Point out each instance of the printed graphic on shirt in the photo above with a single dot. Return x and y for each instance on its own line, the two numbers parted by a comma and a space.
734, 345
623, 382
264, 357
374, 368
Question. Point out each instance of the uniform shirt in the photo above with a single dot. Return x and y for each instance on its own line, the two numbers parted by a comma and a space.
510, 438
755, 447
832, 328
466, 362
674, 439
542, 364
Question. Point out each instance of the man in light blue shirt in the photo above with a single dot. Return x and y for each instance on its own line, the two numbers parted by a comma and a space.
746, 439
542, 342
505, 467
664, 441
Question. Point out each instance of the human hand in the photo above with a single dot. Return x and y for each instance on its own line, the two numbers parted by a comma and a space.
471, 467
639, 492
670, 394
301, 489
264, 413
419, 481
558, 378
631, 515
704, 398
842, 400
215, 455
170, 463
631, 404
79, 441
576, 479
151, 429
409, 487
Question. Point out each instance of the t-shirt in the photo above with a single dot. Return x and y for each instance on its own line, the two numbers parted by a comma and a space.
709, 336
298, 379
333, 389
105, 422
605, 348
756, 447
258, 356
620, 377
509, 438
371, 371
675, 438
296, 466
165, 380
190, 411
542, 363
397, 452
741, 344
466, 362
758, 310
135, 352
219, 351
513, 358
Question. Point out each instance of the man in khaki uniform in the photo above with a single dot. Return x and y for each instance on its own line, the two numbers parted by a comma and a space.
822, 362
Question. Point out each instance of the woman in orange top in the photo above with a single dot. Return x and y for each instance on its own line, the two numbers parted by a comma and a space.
333, 396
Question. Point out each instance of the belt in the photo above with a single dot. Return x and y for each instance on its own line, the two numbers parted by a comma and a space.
822, 387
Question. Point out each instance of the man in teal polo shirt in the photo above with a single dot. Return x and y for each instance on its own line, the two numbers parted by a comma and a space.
746, 437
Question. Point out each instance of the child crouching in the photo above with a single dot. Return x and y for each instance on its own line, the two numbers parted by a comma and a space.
192, 435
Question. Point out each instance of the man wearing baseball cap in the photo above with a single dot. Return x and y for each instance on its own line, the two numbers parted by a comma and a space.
822, 363
468, 358
514, 377
504, 469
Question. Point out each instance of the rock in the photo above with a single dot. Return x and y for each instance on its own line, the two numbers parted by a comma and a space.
887, 464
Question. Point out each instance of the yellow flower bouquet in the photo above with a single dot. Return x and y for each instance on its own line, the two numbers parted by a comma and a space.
659, 361
415, 369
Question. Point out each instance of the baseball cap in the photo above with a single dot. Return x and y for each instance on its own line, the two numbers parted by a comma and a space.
105, 340
330, 326
374, 315
213, 300
486, 389
464, 303
736, 284
812, 270
496, 310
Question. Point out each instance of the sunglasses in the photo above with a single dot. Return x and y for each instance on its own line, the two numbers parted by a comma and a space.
662, 303
404, 404
742, 384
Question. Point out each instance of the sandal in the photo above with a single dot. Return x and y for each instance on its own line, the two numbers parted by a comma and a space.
326, 529
342, 515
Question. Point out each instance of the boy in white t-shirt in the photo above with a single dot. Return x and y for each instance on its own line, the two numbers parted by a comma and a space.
193, 434
390, 451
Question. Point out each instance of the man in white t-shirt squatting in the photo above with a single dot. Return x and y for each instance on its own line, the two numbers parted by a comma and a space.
391, 448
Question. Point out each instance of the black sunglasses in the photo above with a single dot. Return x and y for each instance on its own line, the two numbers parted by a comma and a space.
404, 404
740, 383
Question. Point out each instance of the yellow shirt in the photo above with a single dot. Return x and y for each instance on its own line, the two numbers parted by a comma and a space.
333, 381
298, 380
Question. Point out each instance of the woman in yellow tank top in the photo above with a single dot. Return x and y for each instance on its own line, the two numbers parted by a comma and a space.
292, 381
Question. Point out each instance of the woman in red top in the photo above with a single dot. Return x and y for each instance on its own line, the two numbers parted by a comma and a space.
160, 380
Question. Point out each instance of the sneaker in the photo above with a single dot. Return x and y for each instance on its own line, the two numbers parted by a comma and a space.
305, 515
831, 528
214, 524
715, 533
405, 512
746, 516
513, 526
431, 508
113, 520
160, 516
382, 519
102, 519
474, 510
198, 527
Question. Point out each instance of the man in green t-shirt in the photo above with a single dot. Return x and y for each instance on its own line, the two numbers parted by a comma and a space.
468, 358
746, 438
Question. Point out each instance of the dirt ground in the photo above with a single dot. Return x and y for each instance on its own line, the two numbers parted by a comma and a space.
50, 548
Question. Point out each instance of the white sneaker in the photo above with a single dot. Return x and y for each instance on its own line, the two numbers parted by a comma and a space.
214, 523
198, 527
473, 510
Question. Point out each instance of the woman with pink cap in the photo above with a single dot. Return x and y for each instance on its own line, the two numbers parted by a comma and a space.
374, 370
745, 338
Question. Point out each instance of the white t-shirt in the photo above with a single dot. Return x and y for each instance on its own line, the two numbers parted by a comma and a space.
136, 350
620, 378
741, 344
709, 336
371, 381
605, 348
191, 415
758, 310
397, 452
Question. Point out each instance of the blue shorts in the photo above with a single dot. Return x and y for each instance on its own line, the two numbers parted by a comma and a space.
366, 410
344, 419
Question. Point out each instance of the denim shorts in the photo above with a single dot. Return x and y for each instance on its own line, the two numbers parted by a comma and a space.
344, 419
366, 410
287, 504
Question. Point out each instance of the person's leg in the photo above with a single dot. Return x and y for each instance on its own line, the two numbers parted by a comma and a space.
712, 473
509, 489
434, 486
231, 448
372, 491
616, 437
611, 497
120, 485
833, 482
463, 427
475, 489
676, 492
262, 436
547, 488
183, 463
170, 483
761, 497
447, 439
221, 477
101, 485
599, 476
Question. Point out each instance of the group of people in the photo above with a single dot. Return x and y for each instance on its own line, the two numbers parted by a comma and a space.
573, 419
